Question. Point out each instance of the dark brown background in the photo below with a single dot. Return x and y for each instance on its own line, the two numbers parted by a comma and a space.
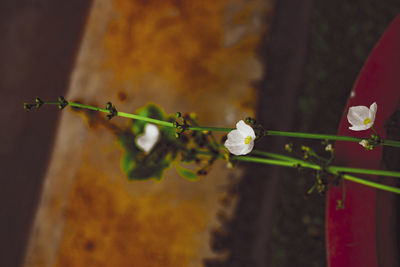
39, 41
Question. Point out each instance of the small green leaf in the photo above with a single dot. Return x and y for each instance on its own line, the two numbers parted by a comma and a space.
186, 173
145, 172
143, 169
127, 163
152, 111
139, 166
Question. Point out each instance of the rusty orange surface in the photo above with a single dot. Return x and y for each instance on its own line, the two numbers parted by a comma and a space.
184, 55
107, 226
180, 41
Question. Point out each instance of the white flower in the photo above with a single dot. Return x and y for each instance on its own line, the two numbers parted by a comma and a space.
241, 140
149, 138
329, 147
362, 117
364, 143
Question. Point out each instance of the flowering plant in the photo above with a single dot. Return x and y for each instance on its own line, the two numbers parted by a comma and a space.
241, 140
362, 118
153, 140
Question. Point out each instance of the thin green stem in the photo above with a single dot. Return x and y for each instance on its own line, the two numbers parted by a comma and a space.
337, 169
137, 117
123, 114
280, 157
375, 131
79, 105
309, 192
316, 167
51, 103
278, 162
391, 143
285, 161
222, 129
329, 168
371, 184
314, 136
208, 128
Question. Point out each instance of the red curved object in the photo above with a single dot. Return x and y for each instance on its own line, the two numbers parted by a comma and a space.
360, 234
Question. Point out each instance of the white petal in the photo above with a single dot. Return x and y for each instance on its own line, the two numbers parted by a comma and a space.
373, 107
235, 142
357, 115
235, 148
235, 136
151, 130
360, 127
372, 112
144, 143
245, 130
239, 149
248, 148
364, 143
149, 138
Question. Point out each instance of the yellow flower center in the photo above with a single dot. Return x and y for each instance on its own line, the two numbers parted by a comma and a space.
367, 120
247, 140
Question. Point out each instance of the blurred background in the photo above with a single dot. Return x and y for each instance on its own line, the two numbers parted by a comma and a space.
65, 200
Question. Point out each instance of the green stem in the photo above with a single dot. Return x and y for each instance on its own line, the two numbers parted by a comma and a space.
371, 184
280, 157
316, 167
375, 131
122, 114
51, 103
208, 128
222, 129
391, 143
337, 169
137, 117
309, 192
278, 162
314, 136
